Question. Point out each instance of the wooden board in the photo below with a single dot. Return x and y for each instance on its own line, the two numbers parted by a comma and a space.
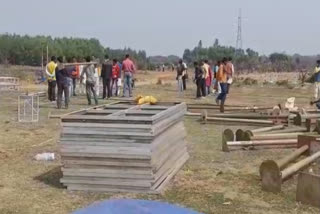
308, 189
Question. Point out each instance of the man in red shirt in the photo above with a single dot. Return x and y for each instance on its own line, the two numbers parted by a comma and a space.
115, 76
128, 69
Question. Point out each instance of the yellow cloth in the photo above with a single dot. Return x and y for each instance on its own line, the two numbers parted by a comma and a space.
51, 70
147, 100
317, 69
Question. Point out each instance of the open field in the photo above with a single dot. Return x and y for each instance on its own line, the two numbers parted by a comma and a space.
211, 181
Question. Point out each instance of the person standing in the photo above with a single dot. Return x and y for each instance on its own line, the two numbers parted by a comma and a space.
71, 69
62, 76
179, 78
183, 66
51, 76
75, 77
205, 67
216, 82
119, 79
115, 77
222, 79
199, 79
106, 74
208, 79
128, 69
317, 81
89, 71
229, 68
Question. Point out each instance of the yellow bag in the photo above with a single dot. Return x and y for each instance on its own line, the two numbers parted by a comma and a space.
147, 100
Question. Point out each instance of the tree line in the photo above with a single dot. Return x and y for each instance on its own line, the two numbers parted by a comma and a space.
250, 60
28, 50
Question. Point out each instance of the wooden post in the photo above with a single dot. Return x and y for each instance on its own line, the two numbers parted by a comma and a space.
227, 136
204, 116
308, 189
270, 170
240, 135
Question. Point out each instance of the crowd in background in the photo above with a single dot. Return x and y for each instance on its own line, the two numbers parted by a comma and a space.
210, 78
85, 75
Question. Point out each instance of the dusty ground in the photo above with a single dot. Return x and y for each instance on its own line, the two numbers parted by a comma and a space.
211, 181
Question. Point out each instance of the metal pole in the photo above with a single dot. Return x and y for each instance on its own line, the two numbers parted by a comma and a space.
47, 54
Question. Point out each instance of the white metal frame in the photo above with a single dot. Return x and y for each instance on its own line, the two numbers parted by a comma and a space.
28, 108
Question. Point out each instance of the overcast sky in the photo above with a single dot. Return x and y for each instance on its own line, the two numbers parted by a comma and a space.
169, 26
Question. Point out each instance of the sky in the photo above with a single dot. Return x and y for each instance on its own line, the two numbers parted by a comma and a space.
164, 27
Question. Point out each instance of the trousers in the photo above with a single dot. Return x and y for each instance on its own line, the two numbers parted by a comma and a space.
316, 90
201, 89
114, 84
127, 83
52, 90
107, 92
90, 88
63, 88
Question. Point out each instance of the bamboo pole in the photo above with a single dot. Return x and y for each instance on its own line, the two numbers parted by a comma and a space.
293, 156
273, 173
297, 166
263, 142
266, 129
80, 63
243, 121
277, 136
289, 130
250, 116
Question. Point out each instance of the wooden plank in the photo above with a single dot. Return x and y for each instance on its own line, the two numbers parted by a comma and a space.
106, 125
75, 138
105, 155
167, 123
118, 144
106, 162
107, 181
180, 107
106, 175
103, 188
167, 167
178, 166
111, 170
308, 189
80, 132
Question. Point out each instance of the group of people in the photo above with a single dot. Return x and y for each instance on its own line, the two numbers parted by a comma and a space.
65, 77
209, 78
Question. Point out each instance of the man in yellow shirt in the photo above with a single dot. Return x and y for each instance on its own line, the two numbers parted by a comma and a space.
51, 75
317, 81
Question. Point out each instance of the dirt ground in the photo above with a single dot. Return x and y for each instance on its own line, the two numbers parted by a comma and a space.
210, 182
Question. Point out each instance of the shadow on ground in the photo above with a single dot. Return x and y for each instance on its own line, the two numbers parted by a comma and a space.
51, 178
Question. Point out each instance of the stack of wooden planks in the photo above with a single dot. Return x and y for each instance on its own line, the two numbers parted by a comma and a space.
123, 147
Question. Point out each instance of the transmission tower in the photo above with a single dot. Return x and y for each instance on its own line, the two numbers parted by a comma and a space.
239, 34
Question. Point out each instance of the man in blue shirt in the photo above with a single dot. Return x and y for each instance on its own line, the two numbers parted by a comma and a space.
62, 76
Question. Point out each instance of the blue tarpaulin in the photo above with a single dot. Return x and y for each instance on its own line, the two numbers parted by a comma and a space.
129, 206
